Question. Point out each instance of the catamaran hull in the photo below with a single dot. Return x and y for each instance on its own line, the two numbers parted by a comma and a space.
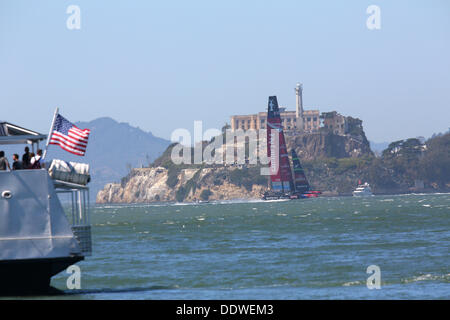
273, 198
289, 197
31, 276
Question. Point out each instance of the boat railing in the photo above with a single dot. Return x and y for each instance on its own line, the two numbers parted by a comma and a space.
78, 213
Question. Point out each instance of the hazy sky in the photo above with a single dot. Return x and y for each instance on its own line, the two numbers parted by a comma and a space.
160, 65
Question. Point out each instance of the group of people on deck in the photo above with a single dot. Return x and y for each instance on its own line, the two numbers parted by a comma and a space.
29, 160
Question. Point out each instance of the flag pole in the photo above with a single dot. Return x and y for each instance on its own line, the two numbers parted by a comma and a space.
50, 133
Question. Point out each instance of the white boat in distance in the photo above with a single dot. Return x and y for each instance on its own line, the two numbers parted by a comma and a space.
363, 190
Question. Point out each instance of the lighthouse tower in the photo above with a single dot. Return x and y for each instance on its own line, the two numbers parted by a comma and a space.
299, 106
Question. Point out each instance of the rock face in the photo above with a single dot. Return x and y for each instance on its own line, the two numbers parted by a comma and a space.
146, 185
149, 185
328, 145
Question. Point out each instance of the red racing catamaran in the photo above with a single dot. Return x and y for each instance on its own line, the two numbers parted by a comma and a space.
284, 184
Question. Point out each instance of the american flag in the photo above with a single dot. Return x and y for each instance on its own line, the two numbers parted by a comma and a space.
69, 137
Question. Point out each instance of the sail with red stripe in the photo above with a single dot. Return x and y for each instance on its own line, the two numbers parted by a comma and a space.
281, 175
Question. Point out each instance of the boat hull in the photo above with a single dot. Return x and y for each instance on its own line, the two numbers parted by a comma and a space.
276, 196
362, 194
271, 198
290, 196
31, 276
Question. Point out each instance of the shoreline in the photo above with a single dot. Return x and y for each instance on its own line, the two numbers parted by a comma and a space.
258, 200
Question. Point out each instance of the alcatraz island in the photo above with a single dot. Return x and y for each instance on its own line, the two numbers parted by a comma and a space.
333, 149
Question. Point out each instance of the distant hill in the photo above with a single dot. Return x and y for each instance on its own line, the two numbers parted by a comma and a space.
113, 149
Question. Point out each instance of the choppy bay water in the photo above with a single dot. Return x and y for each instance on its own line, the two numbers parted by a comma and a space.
303, 249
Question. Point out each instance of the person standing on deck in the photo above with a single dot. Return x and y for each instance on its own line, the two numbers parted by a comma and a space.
35, 162
26, 158
17, 164
4, 164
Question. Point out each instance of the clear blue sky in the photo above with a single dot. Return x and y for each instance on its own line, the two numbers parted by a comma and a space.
160, 65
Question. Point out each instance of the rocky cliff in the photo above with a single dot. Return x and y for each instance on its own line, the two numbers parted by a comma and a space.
312, 146
192, 184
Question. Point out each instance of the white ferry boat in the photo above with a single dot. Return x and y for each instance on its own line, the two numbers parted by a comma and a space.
38, 239
363, 190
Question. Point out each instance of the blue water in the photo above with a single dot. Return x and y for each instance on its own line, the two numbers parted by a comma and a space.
302, 249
